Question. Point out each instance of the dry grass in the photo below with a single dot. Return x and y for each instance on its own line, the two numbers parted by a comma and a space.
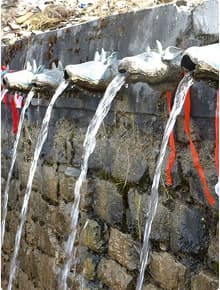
49, 18
53, 14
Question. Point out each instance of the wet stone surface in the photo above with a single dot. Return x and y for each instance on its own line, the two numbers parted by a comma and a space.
114, 276
169, 273
108, 203
92, 236
204, 280
189, 230
123, 249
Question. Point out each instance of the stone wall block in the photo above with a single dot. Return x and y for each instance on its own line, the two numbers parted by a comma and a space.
66, 187
59, 219
189, 231
49, 185
23, 283
129, 159
169, 273
108, 203
123, 249
46, 241
38, 208
24, 168
150, 287
92, 236
30, 232
13, 194
87, 194
28, 261
204, 281
114, 276
138, 208
89, 267
62, 147
10, 231
203, 16
213, 251
46, 271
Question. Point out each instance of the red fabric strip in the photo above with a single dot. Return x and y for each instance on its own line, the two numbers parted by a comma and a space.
15, 115
5, 98
195, 155
217, 134
172, 156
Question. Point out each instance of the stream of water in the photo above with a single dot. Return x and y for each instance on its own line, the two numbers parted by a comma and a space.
4, 92
14, 155
40, 142
89, 146
179, 99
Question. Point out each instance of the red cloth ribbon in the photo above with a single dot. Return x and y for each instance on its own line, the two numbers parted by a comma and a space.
5, 98
217, 134
195, 155
172, 156
15, 115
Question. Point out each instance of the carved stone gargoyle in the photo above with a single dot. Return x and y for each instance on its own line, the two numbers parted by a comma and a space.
96, 74
204, 61
49, 78
155, 66
22, 80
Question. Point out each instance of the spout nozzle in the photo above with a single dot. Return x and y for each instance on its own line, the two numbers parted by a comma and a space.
4, 81
66, 76
122, 70
187, 63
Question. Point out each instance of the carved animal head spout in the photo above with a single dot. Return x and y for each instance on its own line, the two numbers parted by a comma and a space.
49, 78
155, 66
204, 61
21, 80
96, 74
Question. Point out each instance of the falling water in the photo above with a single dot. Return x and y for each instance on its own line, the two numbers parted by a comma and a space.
14, 155
89, 146
40, 142
182, 89
4, 92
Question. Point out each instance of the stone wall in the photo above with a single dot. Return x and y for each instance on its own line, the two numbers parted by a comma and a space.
115, 197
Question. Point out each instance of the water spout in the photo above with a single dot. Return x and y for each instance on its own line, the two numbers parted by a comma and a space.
89, 146
204, 60
14, 154
40, 142
180, 96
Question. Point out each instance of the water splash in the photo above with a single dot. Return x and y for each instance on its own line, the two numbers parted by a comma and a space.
14, 155
89, 146
40, 142
179, 99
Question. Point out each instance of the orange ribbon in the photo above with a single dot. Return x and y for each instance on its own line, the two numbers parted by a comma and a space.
217, 134
195, 155
5, 99
15, 115
172, 156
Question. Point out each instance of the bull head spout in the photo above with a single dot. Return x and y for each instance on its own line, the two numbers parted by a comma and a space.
204, 61
22, 80
96, 74
49, 78
155, 66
